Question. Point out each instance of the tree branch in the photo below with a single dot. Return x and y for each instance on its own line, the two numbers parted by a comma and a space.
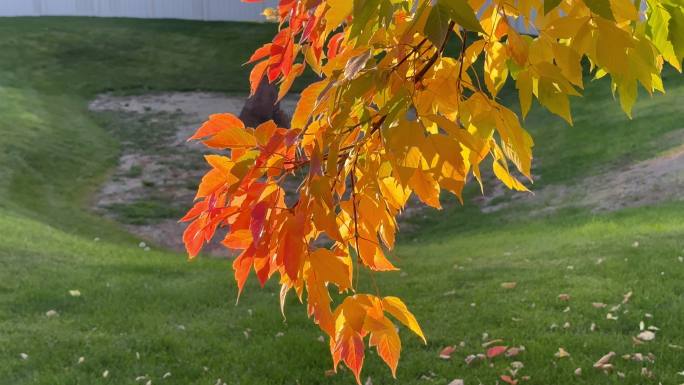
437, 54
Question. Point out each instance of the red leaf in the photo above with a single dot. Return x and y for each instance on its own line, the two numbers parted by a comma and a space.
258, 216
446, 352
334, 45
508, 380
496, 351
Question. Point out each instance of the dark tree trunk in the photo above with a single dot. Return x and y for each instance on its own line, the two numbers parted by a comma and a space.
264, 106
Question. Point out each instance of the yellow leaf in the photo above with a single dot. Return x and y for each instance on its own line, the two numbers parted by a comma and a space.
611, 47
554, 100
398, 309
393, 192
507, 179
627, 90
495, 67
524, 85
307, 103
338, 11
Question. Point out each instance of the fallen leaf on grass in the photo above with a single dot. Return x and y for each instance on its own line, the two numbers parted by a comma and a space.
105, 374
445, 354
646, 372
23, 356
599, 305
166, 375
578, 371
673, 346
330, 373
509, 285
51, 313
626, 297
473, 358
496, 351
368, 381
562, 353
492, 342
517, 365
81, 360
508, 380
514, 351
604, 362
611, 317
646, 335
457, 381
74, 293
564, 297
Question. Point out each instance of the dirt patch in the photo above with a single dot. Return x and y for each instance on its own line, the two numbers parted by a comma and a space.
158, 171
648, 182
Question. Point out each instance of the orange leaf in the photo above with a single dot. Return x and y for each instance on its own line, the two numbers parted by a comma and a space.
351, 350
425, 186
386, 340
256, 75
217, 123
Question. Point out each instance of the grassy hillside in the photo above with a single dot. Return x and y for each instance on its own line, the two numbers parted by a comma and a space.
149, 313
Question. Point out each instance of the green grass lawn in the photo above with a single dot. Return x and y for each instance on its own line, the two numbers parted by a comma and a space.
149, 313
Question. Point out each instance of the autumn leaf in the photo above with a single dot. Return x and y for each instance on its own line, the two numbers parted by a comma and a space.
496, 351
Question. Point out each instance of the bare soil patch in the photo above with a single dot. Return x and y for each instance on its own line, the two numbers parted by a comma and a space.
651, 181
158, 171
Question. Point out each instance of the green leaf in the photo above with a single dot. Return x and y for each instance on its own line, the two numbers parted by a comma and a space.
658, 24
437, 25
676, 30
549, 5
601, 8
460, 12
363, 11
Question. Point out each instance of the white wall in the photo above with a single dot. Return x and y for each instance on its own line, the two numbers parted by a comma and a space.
234, 10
